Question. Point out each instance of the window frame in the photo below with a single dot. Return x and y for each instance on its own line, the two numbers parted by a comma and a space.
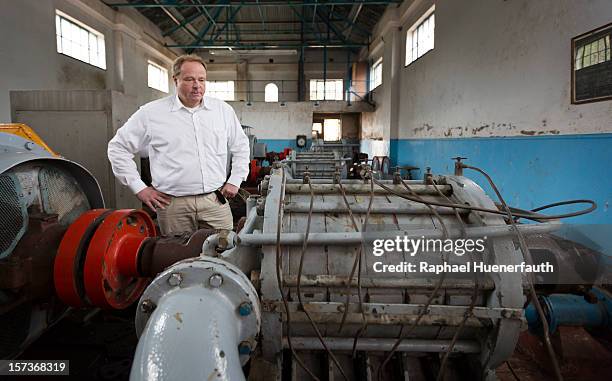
266, 92
339, 135
326, 82
377, 63
414, 29
228, 81
164, 72
100, 61
576, 43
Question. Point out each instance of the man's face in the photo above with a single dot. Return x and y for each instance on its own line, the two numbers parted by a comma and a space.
191, 83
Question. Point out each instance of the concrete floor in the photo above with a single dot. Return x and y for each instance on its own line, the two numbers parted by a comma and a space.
101, 348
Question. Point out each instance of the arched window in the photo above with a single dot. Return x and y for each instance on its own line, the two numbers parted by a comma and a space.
271, 91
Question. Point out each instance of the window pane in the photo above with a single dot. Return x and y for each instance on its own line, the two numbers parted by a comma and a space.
420, 39
220, 89
157, 77
79, 41
271, 93
332, 130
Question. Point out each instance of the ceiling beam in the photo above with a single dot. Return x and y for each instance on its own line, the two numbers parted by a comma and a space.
352, 16
183, 23
177, 18
228, 23
310, 45
272, 3
205, 11
263, 23
205, 30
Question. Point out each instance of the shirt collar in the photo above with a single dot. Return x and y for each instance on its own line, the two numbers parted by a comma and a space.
177, 104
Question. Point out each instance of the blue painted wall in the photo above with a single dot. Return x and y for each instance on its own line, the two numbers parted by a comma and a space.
529, 171
278, 145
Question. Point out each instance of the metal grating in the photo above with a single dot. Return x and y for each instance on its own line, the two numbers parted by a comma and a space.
13, 214
62, 195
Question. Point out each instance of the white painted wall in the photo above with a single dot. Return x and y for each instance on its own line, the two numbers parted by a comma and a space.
499, 68
283, 71
30, 60
273, 121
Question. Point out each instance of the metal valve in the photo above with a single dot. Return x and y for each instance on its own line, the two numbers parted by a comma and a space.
458, 165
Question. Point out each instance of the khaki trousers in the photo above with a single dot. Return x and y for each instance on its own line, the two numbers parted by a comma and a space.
190, 213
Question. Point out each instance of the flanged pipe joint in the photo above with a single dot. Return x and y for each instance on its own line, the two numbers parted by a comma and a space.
198, 320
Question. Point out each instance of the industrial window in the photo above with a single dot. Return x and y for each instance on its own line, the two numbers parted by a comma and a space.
420, 37
593, 53
220, 89
376, 74
271, 93
332, 130
79, 41
158, 77
330, 89
592, 66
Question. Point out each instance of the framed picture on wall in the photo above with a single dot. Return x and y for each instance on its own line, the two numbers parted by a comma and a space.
592, 66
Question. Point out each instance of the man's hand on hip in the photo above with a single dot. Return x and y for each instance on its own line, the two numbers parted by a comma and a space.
229, 190
153, 198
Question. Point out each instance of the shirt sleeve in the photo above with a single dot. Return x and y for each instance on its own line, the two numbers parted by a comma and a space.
129, 140
239, 148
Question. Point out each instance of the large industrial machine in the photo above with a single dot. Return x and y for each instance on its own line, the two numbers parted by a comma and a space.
41, 194
296, 292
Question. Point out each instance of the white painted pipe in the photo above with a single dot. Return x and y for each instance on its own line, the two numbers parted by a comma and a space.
193, 334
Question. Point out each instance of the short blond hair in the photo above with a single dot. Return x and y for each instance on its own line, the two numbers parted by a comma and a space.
180, 60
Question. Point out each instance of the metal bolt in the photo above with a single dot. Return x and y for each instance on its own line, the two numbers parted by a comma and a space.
215, 280
175, 279
245, 309
147, 306
244, 348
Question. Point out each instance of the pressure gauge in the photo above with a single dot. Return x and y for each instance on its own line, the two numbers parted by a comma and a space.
300, 141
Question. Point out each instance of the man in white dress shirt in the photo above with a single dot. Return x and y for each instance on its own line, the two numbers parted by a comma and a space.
188, 137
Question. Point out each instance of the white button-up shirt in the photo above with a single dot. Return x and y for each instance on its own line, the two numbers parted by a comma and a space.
187, 148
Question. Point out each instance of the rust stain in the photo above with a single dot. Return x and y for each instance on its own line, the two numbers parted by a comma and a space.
179, 317
478, 129
449, 132
530, 133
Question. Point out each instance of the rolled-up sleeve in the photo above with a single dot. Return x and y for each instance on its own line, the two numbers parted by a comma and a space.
239, 148
128, 140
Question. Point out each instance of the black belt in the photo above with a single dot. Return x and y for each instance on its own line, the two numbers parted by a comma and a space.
220, 197
217, 193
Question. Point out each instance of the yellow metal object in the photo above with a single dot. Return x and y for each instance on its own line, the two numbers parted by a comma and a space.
26, 132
